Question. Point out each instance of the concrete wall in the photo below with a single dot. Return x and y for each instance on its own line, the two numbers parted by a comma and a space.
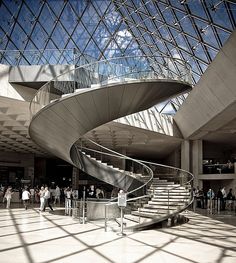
37, 73
173, 159
13, 91
209, 105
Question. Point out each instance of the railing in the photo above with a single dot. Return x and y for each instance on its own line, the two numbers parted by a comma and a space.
109, 158
135, 169
112, 71
225, 168
180, 177
142, 171
116, 71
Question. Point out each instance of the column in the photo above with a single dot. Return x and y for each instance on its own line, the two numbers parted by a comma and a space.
185, 155
197, 156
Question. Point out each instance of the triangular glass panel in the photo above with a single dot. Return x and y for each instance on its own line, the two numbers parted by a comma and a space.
223, 35
13, 6
59, 36
168, 16
26, 19
219, 15
186, 24
151, 9
47, 19
81, 36
79, 7
211, 52
112, 50
18, 36
56, 6
232, 9
7, 20
69, 19
39, 36
92, 49
101, 36
90, 18
101, 6
177, 4
207, 33
181, 42
196, 8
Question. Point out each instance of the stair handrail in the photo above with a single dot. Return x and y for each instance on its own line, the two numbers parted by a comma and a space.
161, 71
114, 201
189, 182
119, 155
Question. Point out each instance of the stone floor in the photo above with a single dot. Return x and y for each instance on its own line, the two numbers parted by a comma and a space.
31, 236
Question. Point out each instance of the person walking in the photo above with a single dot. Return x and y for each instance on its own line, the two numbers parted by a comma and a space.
25, 197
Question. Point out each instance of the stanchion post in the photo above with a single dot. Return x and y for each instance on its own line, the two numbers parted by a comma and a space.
105, 218
83, 206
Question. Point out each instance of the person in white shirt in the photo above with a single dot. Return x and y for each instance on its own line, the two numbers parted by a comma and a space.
68, 200
8, 196
47, 199
25, 197
224, 198
41, 196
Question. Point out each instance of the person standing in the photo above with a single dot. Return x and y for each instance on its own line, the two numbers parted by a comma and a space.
224, 198
210, 197
68, 200
57, 195
25, 197
41, 198
47, 199
8, 196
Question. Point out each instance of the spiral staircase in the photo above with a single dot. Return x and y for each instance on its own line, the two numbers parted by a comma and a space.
65, 109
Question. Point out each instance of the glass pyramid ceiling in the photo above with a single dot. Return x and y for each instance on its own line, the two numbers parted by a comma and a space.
71, 31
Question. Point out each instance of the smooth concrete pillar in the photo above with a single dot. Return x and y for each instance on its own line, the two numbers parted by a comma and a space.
185, 155
197, 157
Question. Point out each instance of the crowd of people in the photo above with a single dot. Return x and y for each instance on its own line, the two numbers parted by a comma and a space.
47, 197
44, 196
221, 200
